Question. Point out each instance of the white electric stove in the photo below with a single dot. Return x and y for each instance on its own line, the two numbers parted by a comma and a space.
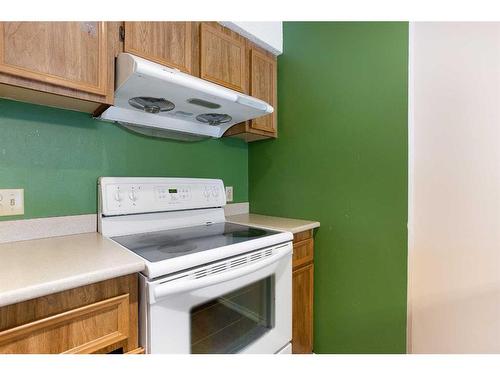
210, 286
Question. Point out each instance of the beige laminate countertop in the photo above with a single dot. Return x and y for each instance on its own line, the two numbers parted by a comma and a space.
273, 222
34, 268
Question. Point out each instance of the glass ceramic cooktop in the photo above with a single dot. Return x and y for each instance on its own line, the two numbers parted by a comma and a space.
171, 243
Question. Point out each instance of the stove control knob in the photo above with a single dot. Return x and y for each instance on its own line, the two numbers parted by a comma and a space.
132, 195
215, 191
206, 192
118, 196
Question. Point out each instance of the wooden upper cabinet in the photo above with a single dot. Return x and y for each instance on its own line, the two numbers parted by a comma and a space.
67, 54
223, 57
262, 78
60, 64
166, 43
263, 86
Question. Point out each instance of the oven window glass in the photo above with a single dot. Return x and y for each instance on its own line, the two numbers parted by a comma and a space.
231, 322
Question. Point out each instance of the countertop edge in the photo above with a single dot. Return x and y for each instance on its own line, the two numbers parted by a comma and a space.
303, 228
297, 229
56, 286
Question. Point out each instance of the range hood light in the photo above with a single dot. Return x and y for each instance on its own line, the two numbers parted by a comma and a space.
203, 103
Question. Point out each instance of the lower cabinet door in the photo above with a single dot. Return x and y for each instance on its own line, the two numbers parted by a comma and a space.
302, 309
86, 329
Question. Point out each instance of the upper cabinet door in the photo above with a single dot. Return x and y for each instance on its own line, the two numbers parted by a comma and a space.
263, 79
223, 57
67, 54
166, 43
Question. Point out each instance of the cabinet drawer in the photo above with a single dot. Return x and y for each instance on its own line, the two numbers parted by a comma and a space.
82, 330
301, 236
303, 252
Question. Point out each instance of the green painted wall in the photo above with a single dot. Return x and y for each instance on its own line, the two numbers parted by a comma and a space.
57, 155
341, 158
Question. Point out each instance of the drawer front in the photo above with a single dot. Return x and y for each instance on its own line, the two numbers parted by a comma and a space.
301, 236
303, 252
82, 330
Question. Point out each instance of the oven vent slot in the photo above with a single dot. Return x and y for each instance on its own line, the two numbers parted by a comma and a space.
255, 256
175, 278
218, 268
238, 262
200, 274
231, 264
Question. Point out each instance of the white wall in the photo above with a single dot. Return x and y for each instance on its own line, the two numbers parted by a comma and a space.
268, 35
454, 206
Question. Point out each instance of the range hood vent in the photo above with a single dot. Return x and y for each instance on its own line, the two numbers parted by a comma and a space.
158, 101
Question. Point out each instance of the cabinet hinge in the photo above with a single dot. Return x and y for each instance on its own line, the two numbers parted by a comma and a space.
122, 33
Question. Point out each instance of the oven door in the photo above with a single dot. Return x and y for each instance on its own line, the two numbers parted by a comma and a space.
239, 305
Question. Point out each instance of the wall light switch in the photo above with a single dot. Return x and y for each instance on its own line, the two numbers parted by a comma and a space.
11, 202
229, 193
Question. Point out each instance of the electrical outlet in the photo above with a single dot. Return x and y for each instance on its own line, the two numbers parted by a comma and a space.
229, 193
11, 202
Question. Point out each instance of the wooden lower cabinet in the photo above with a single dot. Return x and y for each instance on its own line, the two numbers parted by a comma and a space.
302, 307
139, 350
302, 293
96, 318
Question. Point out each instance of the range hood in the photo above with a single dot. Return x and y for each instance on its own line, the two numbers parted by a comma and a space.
155, 100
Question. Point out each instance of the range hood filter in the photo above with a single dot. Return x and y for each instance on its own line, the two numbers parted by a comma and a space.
214, 118
151, 105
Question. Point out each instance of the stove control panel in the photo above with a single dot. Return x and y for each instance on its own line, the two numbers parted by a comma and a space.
174, 194
125, 195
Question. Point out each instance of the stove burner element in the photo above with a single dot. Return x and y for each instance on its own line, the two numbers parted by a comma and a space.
176, 248
248, 233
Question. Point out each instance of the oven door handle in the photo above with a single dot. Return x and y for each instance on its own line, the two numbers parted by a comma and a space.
180, 286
